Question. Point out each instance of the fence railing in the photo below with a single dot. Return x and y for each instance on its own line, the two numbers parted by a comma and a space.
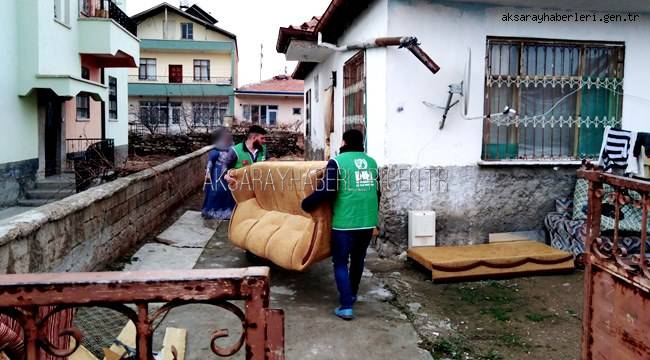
77, 149
214, 80
34, 301
617, 267
109, 10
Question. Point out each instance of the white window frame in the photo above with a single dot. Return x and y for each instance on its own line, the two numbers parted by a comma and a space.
187, 31
62, 11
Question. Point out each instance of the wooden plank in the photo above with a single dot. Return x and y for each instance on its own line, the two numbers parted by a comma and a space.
126, 337
175, 338
516, 236
81, 354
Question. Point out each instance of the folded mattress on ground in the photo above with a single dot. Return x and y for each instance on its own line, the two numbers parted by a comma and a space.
268, 220
450, 263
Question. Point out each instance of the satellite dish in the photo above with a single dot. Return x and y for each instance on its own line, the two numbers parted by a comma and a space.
465, 85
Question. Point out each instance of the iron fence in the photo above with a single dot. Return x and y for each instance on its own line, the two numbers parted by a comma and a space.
34, 302
109, 10
617, 267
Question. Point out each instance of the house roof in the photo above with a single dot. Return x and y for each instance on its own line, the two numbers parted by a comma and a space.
200, 13
334, 21
277, 85
204, 19
304, 31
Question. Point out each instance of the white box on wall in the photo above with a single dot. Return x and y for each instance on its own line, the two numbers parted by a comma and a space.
421, 228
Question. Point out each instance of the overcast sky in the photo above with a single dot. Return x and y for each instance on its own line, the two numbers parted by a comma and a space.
254, 22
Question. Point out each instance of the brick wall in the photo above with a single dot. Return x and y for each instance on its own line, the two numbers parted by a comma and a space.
88, 230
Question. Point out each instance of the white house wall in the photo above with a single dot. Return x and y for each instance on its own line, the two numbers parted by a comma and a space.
118, 129
472, 201
446, 30
370, 24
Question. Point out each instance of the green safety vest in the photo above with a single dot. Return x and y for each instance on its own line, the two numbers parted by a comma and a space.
244, 157
356, 205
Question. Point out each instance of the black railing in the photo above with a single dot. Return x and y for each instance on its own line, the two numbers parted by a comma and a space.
115, 13
89, 159
107, 9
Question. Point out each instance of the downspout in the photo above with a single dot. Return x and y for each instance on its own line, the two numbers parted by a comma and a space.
408, 42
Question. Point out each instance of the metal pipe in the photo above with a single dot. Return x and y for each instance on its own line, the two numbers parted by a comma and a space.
408, 42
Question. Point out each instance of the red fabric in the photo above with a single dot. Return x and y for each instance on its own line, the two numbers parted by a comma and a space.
11, 333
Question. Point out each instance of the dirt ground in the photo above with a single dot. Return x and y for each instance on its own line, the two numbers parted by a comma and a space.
520, 318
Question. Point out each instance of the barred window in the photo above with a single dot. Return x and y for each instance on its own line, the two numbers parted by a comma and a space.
354, 92
564, 92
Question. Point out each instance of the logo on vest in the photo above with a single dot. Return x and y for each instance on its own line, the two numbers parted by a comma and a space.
361, 164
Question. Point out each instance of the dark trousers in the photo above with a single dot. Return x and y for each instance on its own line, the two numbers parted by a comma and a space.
349, 246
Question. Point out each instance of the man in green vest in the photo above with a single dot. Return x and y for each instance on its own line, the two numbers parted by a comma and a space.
351, 183
250, 151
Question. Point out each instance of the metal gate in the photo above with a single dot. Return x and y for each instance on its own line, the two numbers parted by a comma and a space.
616, 318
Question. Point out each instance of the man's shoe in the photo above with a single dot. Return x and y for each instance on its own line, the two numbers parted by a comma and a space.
345, 314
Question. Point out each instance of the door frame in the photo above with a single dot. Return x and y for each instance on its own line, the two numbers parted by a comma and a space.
169, 74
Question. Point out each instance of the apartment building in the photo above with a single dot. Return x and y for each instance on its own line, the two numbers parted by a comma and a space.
187, 72
64, 86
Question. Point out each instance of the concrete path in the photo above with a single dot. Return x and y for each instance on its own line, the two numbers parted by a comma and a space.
380, 331
178, 247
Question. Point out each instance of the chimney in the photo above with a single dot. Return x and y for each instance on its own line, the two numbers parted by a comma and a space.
185, 4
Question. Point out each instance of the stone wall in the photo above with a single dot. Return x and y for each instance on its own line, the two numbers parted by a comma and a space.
279, 142
15, 178
470, 201
90, 229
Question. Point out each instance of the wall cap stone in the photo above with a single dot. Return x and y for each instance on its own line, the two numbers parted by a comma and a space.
30, 221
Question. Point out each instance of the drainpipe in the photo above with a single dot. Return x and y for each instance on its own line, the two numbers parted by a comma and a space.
408, 42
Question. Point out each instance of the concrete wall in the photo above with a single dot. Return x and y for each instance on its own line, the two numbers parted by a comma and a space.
403, 132
285, 104
446, 31
118, 129
372, 23
19, 137
92, 228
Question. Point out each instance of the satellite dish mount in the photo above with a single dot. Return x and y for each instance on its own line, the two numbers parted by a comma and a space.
461, 89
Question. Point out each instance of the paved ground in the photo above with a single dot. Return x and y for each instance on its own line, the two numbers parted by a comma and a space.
381, 331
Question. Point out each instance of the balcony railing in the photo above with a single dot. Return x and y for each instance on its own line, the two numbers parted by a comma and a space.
107, 9
39, 304
181, 80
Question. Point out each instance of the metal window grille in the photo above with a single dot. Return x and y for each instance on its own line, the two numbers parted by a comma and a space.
565, 93
354, 92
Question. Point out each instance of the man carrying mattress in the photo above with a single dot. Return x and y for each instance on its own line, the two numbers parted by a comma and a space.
351, 184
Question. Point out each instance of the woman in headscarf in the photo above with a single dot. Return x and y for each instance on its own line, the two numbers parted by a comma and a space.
218, 202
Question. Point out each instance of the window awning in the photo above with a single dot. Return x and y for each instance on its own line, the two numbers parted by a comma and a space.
66, 86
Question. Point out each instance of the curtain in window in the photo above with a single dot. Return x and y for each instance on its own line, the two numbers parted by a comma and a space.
565, 93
